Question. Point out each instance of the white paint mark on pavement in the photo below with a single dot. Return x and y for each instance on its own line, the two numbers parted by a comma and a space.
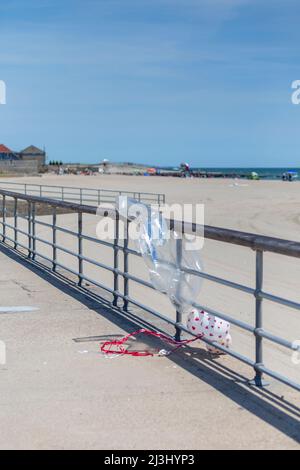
17, 309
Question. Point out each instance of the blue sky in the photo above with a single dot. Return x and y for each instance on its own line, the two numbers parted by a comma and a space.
153, 81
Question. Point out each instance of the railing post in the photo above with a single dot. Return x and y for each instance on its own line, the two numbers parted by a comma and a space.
29, 230
116, 260
126, 265
54, 250
16, 223
178, 310
258, 379
258, 314
80, 261
33, 231
4, 219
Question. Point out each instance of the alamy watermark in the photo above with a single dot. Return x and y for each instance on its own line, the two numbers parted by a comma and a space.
150, 223
2, 353
2, 92
296, 94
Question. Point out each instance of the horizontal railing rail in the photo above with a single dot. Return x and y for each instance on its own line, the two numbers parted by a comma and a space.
81, 195
122, 293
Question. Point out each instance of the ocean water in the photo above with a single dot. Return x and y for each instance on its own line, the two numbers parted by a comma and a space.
264, 173
267, 173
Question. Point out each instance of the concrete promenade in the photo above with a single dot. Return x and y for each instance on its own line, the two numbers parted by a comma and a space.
59, 392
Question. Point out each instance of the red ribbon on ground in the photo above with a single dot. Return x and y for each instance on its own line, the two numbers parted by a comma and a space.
118, 345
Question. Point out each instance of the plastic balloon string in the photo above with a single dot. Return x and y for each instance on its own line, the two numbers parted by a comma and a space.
118, 346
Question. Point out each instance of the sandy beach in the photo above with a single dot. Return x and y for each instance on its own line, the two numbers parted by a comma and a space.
265, 207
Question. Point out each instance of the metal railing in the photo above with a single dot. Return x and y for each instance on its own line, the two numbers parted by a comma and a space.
121, 297
81, 195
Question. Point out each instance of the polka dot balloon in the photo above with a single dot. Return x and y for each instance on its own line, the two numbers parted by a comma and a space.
211, 327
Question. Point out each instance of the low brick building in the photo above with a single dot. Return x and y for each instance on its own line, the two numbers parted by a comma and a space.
35, 154
29, 161
6, 154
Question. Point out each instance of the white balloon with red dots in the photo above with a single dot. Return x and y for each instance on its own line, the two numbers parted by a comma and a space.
211, 327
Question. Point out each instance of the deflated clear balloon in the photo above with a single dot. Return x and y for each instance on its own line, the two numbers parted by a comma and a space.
166, 254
